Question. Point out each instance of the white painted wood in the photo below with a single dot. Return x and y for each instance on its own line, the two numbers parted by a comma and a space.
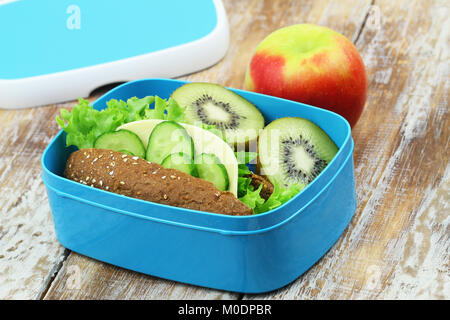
29, 252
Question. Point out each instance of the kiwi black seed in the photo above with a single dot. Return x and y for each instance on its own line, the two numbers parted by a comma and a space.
204, 100
211, 104
294, 150
289, 163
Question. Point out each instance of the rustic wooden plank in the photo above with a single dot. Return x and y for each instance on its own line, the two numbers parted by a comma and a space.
85, 278
250, 22
29, 252
397, 243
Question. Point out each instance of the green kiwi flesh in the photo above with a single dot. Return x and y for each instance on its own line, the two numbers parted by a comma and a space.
294, 150
211, 104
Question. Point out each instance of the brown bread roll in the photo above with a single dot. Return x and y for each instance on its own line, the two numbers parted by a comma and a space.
135, 177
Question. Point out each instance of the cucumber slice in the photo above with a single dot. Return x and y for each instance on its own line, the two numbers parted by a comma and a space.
166, 138
121, 140
180, 161
211, 169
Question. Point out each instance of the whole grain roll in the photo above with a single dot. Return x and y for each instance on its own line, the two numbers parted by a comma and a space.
135, 177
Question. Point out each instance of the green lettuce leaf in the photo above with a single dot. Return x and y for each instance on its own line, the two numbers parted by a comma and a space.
84, 124
137, 108
174, 112
279, 196
251, 197
244, 182
253, 200
158, 111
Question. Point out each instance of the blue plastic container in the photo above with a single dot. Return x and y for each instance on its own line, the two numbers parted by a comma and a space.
249, 254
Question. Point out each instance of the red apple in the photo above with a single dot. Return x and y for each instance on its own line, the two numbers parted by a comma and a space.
310, 64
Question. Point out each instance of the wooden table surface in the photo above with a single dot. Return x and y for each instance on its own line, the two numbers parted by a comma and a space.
397, 244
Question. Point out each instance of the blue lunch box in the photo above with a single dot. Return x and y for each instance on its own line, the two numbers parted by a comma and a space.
248, 254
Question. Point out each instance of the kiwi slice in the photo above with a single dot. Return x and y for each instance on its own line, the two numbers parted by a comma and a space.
211, 104
294, 150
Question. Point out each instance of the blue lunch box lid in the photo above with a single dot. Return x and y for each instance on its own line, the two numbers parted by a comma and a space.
89, 44
114, 30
